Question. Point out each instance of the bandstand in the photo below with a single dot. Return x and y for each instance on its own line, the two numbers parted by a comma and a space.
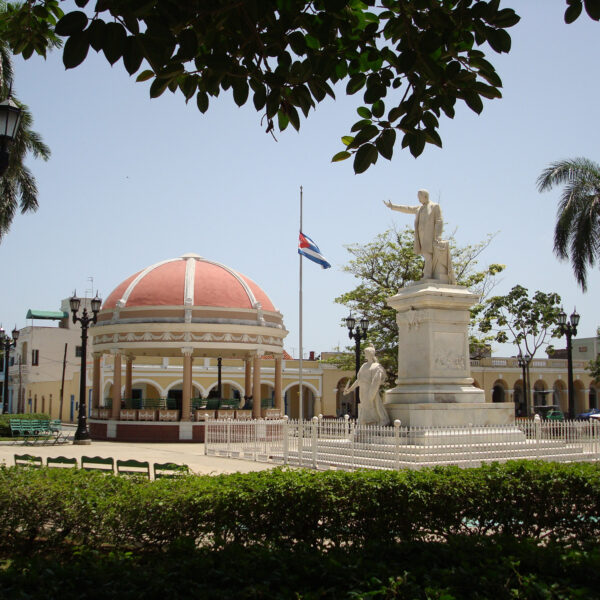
170, 315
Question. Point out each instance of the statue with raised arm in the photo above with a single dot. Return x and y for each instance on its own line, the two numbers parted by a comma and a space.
428, 238
370, 378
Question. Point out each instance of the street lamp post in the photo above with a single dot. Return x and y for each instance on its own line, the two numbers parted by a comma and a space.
524, 361
82, 435
358, 333
7, 343
10, 117
569, 329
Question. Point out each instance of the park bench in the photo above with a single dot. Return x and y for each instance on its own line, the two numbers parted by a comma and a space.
97, 463
61, 462
170, 470
26, 460
133, 468
29, 431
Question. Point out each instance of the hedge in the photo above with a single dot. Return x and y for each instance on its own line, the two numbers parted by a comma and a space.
284, 508
6, 417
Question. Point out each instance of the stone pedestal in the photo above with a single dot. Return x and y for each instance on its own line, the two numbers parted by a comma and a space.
434, 386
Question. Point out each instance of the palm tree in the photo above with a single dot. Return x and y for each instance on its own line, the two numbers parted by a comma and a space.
577, 230
17, 186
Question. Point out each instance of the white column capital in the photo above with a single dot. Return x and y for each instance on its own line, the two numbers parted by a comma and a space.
187, 351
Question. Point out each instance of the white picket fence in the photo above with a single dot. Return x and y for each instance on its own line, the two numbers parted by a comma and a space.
342, 444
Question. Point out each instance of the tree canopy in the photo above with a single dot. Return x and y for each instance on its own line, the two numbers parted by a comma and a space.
387, 264
408, 62
527, 322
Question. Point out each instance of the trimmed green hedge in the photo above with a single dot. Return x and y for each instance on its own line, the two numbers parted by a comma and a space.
477, 568
5, 420
283, 508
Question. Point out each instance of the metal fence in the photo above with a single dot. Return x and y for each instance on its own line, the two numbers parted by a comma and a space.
343, 444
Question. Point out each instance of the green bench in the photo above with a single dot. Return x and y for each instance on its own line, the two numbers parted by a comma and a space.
98, 464
133, 468
61, 462
26, 460
32, 431
170, 470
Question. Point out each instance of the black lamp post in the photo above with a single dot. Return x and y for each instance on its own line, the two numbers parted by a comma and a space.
7, 343
358, 333
10, 117
524, 361
569, 329
82, 435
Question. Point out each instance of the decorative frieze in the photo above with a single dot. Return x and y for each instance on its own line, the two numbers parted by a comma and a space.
187, 336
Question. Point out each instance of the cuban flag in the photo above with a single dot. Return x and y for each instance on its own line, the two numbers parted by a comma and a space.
308, 248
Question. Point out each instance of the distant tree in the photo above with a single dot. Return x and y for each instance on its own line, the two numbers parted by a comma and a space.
527, 322
577, 230
594, 368
386, 265
18, 188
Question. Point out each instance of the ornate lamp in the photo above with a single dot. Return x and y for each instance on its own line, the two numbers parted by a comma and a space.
10, 117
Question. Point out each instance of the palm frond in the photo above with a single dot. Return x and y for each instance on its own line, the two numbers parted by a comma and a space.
577, 229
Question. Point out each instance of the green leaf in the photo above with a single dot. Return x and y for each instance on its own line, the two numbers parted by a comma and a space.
572, 13
343, 155
385, 143
294, 117
202, 101
188, 85
364, 112
282, 120
71, 23
378, 109
145, 75
240, 91
347, 140
97, 34
473, 101
114, 43
76, 49
499, 40
592, 7
158, 87
364, 158
312, 42
356, 83
132, 57
260, 97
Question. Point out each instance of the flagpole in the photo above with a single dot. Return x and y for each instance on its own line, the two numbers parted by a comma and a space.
301, 395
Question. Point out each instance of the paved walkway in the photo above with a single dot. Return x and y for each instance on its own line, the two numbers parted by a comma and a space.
191, 454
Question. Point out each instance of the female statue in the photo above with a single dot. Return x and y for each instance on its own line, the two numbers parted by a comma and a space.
370, 378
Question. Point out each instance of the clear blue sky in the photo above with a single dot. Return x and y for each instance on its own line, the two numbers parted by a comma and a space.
133, 181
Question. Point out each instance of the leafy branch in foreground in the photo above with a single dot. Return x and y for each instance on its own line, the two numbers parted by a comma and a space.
409, 61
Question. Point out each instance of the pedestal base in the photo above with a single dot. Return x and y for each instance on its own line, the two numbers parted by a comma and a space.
451, 415
439, 393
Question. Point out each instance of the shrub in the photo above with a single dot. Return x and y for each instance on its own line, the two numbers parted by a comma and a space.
285, 508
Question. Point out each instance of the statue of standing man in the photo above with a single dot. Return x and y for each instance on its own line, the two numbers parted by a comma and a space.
428, 243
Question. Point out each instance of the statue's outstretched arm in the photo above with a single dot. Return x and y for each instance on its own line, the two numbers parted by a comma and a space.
411, 210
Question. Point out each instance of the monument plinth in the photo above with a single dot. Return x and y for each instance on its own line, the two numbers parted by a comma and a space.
434, 386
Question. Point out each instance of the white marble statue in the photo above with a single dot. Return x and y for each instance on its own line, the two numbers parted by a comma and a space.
370, 378
428, 238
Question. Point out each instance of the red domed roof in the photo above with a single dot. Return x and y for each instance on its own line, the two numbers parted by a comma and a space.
189, 280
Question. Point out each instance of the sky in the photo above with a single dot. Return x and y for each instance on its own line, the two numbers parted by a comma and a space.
133, 181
